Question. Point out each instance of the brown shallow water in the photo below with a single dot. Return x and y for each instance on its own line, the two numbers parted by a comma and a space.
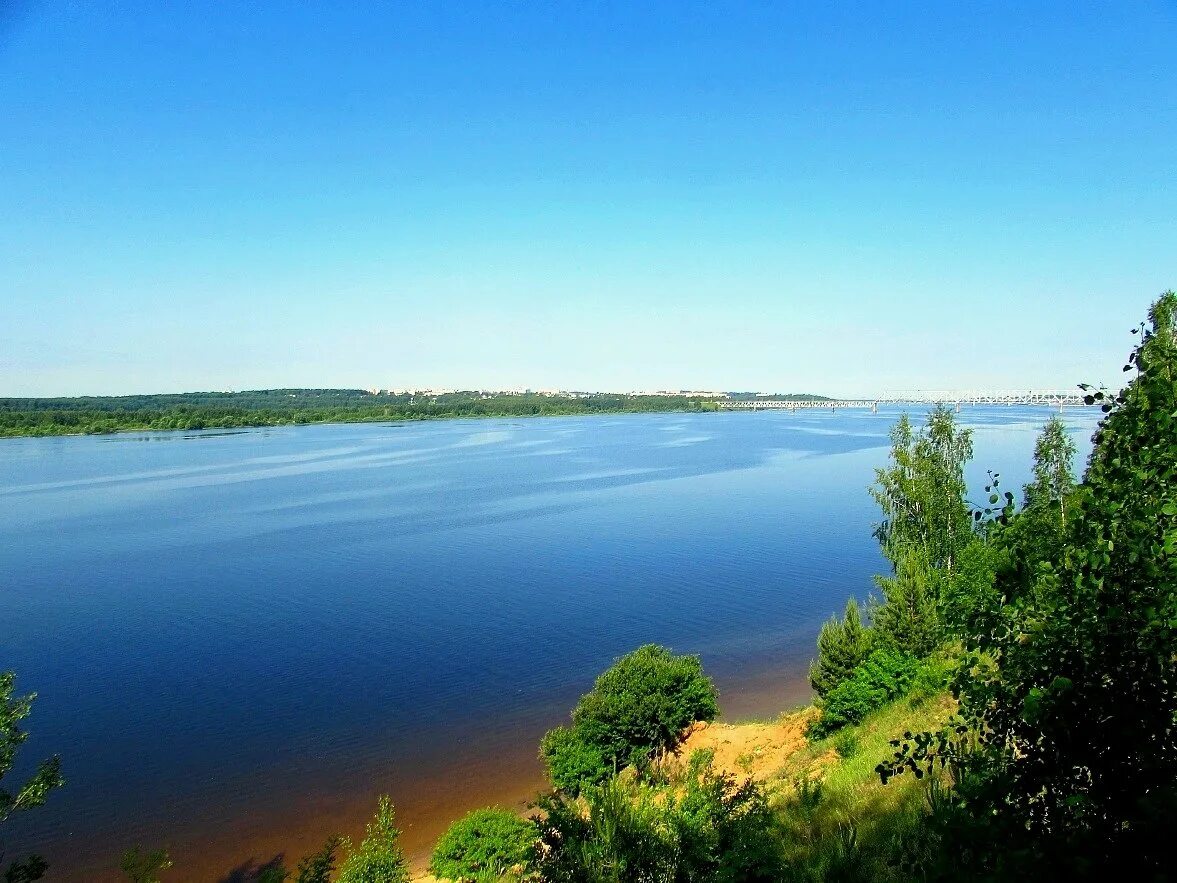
495, 767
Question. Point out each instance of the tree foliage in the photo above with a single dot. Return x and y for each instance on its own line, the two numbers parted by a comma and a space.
486, 846
34, 792
705, 828
1054, 476
922, 491
378, 859
320, 865
144, 866
637, 708
1066, 752
927, 533
572, 761
1035, 539
925, 528
842, 645
908, 618
886, 674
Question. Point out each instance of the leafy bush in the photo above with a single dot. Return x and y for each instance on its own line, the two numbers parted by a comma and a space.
487, 845
933, 675
640, 706
617, 835
724, 831
846, 744
885, 675
140, 866
705, 828
572, 763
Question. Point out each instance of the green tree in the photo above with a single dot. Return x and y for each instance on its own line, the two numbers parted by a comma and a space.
969, 598
379, 858
637, 708
922, 491
926, 526
571, 761
842, 645
320, 865
885, 675
1054, 476
141, 866
33, 792
1038, 535
908, 618
1067, 751
486, 846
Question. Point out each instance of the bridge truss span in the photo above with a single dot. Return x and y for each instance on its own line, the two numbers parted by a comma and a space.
955, 398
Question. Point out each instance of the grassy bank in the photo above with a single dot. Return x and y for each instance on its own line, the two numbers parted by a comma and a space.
832, 817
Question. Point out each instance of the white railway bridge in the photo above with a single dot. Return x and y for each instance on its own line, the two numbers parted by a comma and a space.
956, 398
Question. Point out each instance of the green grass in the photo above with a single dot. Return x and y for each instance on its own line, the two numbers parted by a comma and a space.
840, 822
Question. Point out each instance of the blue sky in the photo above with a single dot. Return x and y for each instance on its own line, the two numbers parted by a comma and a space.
834, 198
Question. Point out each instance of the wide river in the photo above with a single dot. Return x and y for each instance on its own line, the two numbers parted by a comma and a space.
240, 639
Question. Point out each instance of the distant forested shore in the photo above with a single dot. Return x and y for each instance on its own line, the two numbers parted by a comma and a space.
281, 407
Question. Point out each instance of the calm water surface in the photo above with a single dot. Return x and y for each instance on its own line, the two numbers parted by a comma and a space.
241, 639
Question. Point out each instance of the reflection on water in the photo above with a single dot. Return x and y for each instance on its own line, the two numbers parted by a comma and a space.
239, 643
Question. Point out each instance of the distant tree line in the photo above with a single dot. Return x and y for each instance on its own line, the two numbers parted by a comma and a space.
280, 407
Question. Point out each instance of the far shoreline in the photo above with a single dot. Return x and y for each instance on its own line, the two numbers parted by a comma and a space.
257, 409
390, 421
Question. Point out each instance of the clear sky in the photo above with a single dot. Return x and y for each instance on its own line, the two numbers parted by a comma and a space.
833, 198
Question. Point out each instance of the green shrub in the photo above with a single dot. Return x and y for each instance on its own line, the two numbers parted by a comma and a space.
141, 866
725, 832
846, 744
572, 763
885, 675
932, 676
487, 845
640, 706
708, 828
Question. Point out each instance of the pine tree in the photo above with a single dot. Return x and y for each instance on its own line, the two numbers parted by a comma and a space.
908, 619
842, 645
319, 866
